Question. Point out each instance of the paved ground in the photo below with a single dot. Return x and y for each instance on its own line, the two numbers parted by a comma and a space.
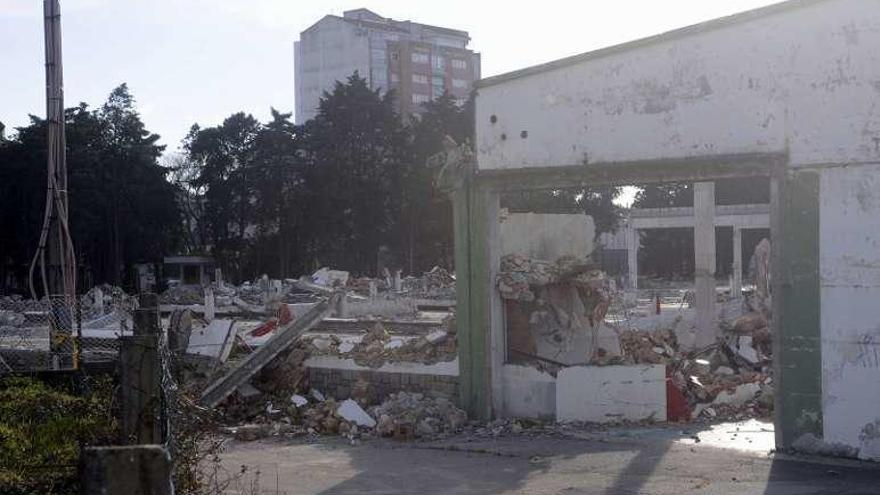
619, 461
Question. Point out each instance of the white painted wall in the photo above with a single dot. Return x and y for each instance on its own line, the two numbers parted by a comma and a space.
608, 394
806, 80
849, 260
527, 393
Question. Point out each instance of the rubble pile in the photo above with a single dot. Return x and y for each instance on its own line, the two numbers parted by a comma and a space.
402, 415
378, 347
520, 276
182, 294
408, 415
438, 283
640, 347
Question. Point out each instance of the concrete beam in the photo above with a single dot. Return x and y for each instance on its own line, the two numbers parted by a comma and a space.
283, 338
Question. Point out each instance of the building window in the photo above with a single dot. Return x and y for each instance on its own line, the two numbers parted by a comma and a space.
420, 79
459, 83
419, 58
395, 56
419, 99
437, 86
438, 63
458, 63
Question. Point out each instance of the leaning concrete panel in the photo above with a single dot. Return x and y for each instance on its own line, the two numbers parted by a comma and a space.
214, 340
605, 394
283, 338
850, 314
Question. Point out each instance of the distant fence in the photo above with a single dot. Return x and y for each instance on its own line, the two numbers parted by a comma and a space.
56, 333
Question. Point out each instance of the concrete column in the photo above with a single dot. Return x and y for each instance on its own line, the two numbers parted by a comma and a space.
632, 257
736, 281
497, 325
704, 262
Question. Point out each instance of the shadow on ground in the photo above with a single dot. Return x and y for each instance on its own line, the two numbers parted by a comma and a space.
660, 461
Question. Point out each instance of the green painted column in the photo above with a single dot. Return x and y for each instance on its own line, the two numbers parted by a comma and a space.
797, 343
471, 237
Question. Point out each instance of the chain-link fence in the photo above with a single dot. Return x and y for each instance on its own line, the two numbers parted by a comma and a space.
59, 333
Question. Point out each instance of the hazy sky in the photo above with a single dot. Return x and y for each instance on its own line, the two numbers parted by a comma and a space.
190, 61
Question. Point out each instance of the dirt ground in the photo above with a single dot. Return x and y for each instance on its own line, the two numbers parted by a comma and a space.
644, 460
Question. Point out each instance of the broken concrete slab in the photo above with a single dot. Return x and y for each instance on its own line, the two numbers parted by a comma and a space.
353, 413
214, 340
604, 394
282, 338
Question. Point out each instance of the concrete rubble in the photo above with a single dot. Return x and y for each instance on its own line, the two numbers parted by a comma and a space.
730, 379
378, 346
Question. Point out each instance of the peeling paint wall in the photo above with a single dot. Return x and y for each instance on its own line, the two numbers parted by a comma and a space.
849, 260
806, 80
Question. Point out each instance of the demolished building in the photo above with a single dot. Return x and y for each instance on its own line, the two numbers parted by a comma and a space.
780, 92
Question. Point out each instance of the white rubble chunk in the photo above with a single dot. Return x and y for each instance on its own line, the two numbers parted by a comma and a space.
322, 344
393, 344
353, 413
436, 337
346, 347
298, 400
317, 395
739, 396
330, 278
746, 350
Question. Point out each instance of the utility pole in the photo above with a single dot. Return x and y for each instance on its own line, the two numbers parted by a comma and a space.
58, 273
56, 162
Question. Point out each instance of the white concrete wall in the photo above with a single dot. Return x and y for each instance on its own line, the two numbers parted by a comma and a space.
606, 394
547, 236
849, 260
804, 80
527, 393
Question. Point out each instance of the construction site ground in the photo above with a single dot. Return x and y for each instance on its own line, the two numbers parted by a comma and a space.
725, 458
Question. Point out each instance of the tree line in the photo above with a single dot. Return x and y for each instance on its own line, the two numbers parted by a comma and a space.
273, 197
